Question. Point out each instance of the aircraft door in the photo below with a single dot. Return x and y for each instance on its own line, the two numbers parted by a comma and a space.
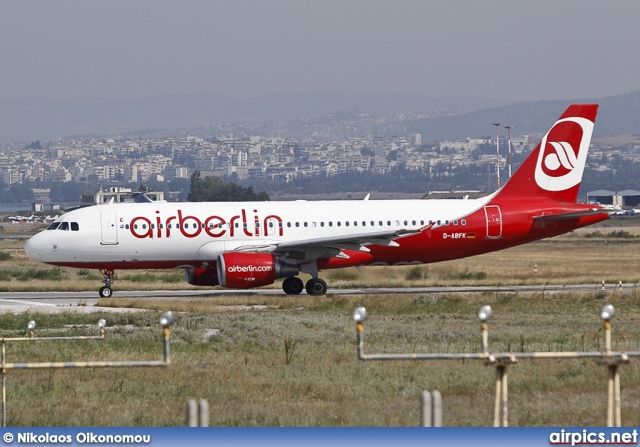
109, 228
273, 227
494, 221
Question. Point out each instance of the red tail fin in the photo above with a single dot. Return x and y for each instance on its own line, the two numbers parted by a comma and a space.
554, 168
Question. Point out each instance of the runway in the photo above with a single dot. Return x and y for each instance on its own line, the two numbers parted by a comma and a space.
86, 301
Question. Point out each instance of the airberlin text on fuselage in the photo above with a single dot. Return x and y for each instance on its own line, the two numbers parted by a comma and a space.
214, 226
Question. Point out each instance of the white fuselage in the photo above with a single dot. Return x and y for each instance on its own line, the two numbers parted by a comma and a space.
176, 233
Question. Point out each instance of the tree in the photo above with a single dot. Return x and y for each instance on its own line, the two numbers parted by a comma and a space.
66, 192
214, 189
19, 192
34, 145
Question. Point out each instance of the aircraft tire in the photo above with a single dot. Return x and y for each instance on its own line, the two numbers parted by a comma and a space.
105, 292
316, 287
292, 285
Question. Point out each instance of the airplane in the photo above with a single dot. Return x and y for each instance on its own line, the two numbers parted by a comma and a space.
242, 245
32, 218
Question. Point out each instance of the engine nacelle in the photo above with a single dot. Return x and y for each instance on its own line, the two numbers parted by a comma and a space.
247, 270
204, 276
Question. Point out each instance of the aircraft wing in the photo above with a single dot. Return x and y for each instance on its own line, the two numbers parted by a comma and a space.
312, 249
572, 215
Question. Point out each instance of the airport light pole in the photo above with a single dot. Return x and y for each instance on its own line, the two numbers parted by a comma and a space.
497, 154
501, 360
509, 143
166, 320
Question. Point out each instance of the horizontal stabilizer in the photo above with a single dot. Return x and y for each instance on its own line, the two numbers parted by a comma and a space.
574, 215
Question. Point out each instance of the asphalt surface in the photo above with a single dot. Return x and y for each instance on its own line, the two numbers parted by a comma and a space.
86, 302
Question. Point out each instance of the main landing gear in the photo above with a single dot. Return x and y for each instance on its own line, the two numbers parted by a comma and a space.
107, 278
293, 285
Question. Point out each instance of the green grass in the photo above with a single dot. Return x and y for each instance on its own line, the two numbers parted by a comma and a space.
465, 275
296, 365
619, 234
38, 274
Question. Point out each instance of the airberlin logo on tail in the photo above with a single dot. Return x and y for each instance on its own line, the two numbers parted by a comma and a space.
563, 153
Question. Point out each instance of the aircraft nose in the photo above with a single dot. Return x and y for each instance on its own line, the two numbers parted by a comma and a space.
33, 247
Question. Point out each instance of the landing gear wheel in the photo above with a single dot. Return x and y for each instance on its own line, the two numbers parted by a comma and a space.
316, 287
107, 278
292, 285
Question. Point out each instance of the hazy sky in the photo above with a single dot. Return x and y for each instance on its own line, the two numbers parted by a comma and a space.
529, 49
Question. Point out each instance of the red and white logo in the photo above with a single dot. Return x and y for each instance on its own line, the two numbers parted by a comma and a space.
563, 153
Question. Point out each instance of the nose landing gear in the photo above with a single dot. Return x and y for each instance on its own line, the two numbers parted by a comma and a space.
107, 278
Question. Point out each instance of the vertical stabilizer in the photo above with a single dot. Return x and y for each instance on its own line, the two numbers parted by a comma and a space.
554, 169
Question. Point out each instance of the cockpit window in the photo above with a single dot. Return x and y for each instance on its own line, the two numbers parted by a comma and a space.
74, 226
53, 226
64, 226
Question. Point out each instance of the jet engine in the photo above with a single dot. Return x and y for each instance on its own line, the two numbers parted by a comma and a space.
204, 276
247, 270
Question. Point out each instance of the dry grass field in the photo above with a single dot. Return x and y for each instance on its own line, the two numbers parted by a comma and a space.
291, 361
